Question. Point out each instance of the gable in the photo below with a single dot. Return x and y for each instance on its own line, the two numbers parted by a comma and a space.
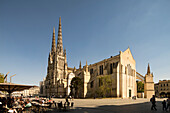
128, 53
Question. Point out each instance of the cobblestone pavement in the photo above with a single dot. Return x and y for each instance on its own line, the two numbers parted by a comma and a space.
113, 106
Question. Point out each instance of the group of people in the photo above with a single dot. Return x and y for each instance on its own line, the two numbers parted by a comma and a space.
20, 104
14, 104
165, 104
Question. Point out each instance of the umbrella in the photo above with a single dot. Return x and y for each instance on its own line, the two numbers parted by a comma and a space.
11, 87
2, 94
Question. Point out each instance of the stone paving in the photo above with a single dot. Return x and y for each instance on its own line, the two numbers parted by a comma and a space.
113, 106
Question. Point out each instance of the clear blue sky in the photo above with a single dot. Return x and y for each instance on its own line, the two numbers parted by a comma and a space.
93, 30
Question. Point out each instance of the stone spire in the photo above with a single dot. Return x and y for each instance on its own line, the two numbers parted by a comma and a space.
53, 48
50, 58
64, 52
148, 70
86, 66
74, 70
59, 40
80, 65
86, 63
65, 56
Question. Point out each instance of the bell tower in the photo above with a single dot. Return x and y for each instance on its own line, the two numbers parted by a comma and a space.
148, 84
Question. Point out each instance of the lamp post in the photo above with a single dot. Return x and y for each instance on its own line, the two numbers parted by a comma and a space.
5, 78
11, 77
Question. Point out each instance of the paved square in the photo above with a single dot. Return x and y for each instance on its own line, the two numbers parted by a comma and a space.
113, 106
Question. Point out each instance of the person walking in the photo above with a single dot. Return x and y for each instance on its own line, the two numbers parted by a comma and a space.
67, 99
164, 105
168, 104
153, 101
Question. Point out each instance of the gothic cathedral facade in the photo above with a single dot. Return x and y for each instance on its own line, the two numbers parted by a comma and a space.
121, 70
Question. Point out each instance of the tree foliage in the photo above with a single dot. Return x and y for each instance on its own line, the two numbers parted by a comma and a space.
105, 86
1, 78
140, 87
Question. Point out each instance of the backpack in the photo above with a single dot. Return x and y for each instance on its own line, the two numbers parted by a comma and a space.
151, 99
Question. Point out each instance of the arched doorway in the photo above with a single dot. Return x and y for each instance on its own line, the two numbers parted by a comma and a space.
162, 94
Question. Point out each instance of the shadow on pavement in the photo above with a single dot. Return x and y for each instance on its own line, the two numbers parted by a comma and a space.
130, 108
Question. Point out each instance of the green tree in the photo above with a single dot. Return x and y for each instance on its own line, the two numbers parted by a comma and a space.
105, 83
140, 86
1, 78
77, 85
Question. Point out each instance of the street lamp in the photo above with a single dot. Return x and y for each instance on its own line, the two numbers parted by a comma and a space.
11, 77
5, 78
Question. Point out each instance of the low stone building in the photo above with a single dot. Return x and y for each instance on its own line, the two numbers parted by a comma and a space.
156, 86
34, 91
162, 88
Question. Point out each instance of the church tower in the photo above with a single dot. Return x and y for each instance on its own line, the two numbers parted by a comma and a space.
57, 66
148, 84
51, 67
61, 56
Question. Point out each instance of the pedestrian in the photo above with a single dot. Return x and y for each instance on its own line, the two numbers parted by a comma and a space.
168, 104
164, 105
153, 101
67, 99
72, 104
70, 97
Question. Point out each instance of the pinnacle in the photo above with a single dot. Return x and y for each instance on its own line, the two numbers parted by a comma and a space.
54, 30
80, 64
148, 70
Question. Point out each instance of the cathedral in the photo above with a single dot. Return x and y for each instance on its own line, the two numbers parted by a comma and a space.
120, 69
56, 81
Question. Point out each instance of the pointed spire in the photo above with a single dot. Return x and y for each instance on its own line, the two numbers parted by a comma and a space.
74, 70
49, 55
53, 48
86, 66
59, 40
50, 58
64, 52
148, 70
80, 65
65, 56
54, 31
